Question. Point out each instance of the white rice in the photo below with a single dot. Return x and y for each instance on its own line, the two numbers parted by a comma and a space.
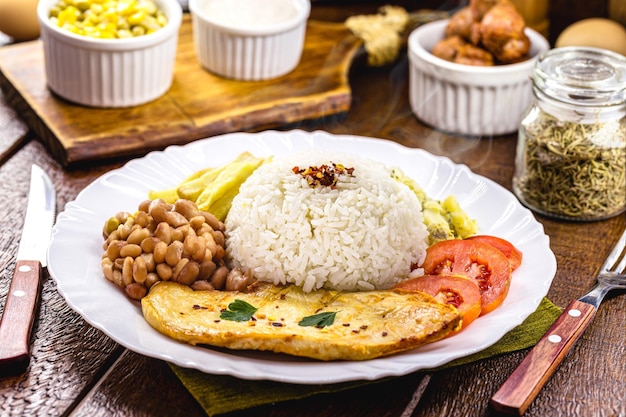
363, 235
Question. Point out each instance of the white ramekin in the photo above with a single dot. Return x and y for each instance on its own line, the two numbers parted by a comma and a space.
110, 72
248, 54
465, 99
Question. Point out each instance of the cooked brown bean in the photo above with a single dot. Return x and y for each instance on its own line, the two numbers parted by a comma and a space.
219, 253
163, 232
131, 250
176, 268
176, 219
237, 280
159, 213
117, 278
207, 268
220, 275
140, 271
136, 291
213, 221
142, 219
122, 216
188, 273
127, 270
196, 222
107, 268
195, 247
210, 244
148, 244
118, 263
114, 235
202, 285
185, 230
218, 237
177, 234
186, 207
148, 259
151, 279
144, 206
160, 249
164, 271
205, 228
138, 235
174, 253
113, 251
123, 231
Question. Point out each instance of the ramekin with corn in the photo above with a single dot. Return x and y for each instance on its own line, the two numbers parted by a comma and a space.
109, 53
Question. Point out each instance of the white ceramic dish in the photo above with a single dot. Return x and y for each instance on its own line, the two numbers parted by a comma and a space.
76, 248
110, 72
465, 99
245, 50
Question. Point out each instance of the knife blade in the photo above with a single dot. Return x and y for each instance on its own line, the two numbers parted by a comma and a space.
24, 292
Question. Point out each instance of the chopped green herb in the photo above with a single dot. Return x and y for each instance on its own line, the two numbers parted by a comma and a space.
238, 310
319, 320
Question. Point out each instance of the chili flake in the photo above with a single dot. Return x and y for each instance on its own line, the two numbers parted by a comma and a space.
324, 175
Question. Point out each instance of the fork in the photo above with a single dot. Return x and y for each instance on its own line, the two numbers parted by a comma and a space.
524, 384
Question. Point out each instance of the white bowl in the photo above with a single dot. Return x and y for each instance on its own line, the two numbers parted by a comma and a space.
249, 47
110, 72
466, 99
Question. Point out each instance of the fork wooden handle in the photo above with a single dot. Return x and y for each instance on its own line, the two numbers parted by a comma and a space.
524, 384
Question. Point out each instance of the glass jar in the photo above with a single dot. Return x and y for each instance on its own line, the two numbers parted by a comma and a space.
571, 151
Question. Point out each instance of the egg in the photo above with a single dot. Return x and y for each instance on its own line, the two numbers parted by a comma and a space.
18, 19
595, 32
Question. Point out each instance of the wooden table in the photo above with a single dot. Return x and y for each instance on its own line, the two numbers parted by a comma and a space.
77, 370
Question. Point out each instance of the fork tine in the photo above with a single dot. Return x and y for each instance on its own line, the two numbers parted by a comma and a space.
614, 256
620, 268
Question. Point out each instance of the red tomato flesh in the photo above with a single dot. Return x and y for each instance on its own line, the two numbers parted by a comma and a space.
479, 261
513, 254
459, 291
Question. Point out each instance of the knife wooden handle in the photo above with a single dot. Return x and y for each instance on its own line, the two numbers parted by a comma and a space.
19, 314
524, 384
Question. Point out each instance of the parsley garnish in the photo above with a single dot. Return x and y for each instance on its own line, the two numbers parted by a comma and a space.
238, 310
319, 320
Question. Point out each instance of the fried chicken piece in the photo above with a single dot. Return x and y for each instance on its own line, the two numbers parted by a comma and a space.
502, 33
456, 49
461, 22
469, 54
481, 7
493, 25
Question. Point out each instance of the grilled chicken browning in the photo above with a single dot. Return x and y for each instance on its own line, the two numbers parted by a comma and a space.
366, 325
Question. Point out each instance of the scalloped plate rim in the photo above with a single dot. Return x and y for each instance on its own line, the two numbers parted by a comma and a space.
137, 336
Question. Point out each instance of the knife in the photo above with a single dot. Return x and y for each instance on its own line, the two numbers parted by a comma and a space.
23, 296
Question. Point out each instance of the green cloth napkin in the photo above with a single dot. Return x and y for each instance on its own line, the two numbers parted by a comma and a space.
219, 394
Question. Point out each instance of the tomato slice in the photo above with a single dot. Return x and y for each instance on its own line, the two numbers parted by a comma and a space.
460, 291
482, 262
511, 252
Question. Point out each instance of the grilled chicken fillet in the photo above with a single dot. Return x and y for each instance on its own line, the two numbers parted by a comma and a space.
367, 324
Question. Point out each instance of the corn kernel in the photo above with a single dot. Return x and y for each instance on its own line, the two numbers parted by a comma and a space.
108, 18
137, 17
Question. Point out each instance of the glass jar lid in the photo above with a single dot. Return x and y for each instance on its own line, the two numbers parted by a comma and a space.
582, 76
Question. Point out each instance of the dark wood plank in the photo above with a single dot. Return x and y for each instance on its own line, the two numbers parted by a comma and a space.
14, 131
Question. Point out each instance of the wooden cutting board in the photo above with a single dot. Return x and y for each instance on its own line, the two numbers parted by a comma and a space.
199, 104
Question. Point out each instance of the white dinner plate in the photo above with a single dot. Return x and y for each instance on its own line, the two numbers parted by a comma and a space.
76, 248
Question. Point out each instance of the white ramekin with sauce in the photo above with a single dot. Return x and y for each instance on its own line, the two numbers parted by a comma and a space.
249, 40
